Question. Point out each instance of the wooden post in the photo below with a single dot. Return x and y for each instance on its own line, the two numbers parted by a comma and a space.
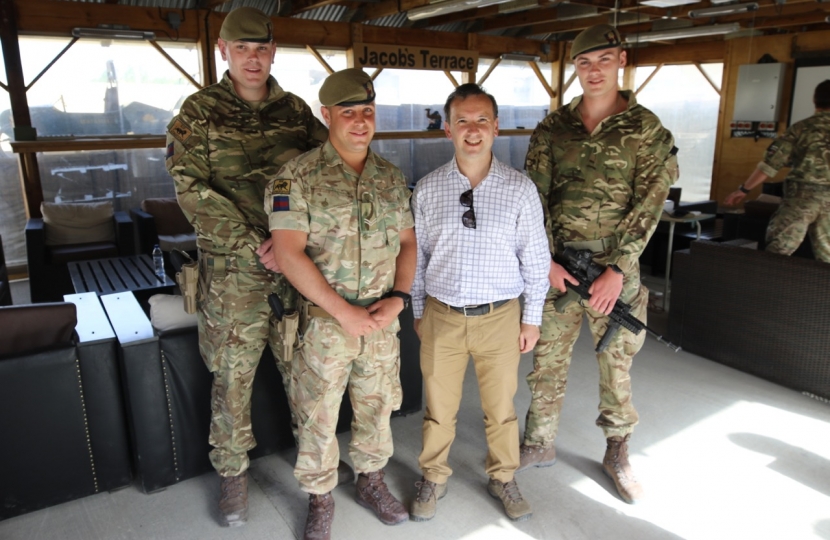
30, 173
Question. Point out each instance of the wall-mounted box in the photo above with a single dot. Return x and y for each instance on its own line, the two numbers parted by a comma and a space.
758, 95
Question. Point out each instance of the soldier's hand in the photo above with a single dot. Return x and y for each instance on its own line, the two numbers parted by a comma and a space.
385, 311
734, 198
605, 290
528, 336
265, 252
356, 321
558, 275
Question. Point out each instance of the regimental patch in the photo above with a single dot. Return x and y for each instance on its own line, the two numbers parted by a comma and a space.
180, 131
281, 186
773, 148
171, 149
280, 203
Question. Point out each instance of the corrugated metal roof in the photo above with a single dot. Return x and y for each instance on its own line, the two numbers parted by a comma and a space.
271, 7
450, 27
398, 20
331, 13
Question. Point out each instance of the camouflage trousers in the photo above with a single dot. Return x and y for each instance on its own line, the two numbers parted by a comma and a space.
328, 361
804, 210
235, 325
552, 358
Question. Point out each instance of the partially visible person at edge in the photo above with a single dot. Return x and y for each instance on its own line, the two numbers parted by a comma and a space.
603, 166
227, 142
341, 217
481, 244
805, 207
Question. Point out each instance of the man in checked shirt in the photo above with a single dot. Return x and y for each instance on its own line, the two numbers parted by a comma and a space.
481, 243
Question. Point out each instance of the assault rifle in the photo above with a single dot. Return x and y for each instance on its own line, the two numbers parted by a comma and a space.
580, 264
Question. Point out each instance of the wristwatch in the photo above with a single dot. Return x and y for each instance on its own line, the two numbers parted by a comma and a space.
742, 189
407, 298
616, 269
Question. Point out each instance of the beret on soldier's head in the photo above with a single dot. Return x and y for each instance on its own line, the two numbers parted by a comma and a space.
348, 87
595, 38
247, 24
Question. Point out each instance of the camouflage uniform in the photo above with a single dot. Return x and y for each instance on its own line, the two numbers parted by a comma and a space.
353, 226
806, 206
605, 189
221, 152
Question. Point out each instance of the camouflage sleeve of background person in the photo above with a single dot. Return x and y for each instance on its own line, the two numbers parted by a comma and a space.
189, 164
540, 169
655, 171
780, 153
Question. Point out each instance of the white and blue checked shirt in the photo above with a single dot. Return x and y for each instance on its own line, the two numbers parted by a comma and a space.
505, 256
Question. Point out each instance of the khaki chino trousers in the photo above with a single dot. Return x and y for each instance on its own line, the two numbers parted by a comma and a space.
448, 338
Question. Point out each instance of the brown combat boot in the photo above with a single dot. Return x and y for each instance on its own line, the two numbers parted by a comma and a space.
233, 501
320, 517
616, 466
373, 494
426, 500
536, 456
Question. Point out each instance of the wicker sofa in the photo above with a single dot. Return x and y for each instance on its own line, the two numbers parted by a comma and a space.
758, 312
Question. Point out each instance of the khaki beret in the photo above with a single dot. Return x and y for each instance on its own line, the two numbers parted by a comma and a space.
247, 24
347, 87
595, 38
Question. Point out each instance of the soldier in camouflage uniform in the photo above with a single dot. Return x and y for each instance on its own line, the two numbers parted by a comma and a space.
227, 142
805, 147
603, 166
341, 216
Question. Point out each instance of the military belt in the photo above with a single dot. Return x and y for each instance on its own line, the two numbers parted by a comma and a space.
600, 245
317, 311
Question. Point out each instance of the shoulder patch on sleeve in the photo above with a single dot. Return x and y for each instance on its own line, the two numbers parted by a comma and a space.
281, 186
180, 131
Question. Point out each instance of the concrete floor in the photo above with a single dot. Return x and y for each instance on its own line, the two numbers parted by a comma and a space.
722, 455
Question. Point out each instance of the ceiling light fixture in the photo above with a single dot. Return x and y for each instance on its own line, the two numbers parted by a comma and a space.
520, 57
113, 33
681, 33
451, 6
725, 9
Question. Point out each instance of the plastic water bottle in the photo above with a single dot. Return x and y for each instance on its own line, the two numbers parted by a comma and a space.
158, 262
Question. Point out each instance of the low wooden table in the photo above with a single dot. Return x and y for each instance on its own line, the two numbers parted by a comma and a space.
118, 274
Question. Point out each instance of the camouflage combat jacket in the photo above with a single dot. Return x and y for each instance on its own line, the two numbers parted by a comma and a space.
612, 182
222, 152
806, 148
353, 223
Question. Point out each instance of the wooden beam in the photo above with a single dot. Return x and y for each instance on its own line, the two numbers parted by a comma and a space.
50, 64
490, 69
320, 59
680, 53
535, 67
376, 73
451, 78
648, 79
523, 18
386, 8
30, 173
175, 64
706, 76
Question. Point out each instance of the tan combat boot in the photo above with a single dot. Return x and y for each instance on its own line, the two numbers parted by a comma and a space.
515, 506
320, 517
233, 501
426, 500
373, 494
536, 456
616, 466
